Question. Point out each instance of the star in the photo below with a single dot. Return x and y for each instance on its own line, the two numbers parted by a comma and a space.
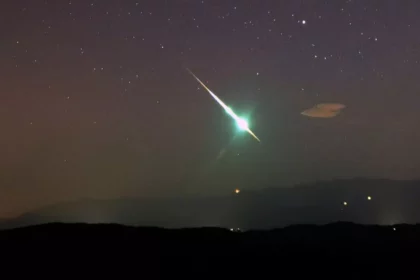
123, 66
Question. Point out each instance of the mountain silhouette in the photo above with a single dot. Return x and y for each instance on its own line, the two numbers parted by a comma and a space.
338, 250
368, 201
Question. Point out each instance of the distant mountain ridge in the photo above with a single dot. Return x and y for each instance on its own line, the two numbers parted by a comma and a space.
391, 202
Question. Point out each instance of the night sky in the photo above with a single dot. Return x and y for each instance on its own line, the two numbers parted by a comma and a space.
96, 100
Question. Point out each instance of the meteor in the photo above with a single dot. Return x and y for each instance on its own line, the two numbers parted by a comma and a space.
242, 124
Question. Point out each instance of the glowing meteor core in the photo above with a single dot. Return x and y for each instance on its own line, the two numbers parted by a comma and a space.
242, 124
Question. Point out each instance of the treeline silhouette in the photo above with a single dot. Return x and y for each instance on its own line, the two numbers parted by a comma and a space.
333, 251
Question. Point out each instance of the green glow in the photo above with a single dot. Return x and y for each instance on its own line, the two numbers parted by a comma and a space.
242, 124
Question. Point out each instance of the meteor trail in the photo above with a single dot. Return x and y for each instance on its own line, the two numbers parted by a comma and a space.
239, 121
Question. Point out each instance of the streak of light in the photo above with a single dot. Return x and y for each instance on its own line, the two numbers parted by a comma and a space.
241, 122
